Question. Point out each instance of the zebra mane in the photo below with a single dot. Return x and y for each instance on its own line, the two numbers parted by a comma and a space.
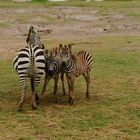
34, 38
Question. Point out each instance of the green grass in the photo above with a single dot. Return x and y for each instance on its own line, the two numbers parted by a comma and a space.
4, 25
113, 112
102, 5
134, 15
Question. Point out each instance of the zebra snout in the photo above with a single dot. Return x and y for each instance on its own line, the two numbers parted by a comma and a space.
50, 69
64, 63
50, 72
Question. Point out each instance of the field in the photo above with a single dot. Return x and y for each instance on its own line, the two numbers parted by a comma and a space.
110, 32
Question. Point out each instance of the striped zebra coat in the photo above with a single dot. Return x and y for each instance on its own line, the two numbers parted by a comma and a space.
54, 68
29, 63
74, 66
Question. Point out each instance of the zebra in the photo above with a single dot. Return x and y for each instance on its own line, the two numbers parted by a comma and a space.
29, 63
53, 70
74, 66
33, 38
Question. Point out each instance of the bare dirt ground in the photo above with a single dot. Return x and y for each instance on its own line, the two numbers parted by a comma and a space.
66, 23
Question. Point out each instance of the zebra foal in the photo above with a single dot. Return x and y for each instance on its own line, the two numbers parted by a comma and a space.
29, 63
54, 68
74, 66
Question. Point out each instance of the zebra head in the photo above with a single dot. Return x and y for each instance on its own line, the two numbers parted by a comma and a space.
50, 62
33, 37
65, 52
32, 32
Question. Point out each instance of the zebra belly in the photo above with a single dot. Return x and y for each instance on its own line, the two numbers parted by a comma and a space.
80, 70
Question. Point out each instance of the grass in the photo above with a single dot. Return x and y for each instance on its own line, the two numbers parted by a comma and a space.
4, 25
102, 5
135, 15
113, 112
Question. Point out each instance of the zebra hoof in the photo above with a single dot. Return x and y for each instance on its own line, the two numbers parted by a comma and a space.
54, 93
87, 94
56, 101
70, 101
19, 109
34, 107
87, 97
37, 99
37, 102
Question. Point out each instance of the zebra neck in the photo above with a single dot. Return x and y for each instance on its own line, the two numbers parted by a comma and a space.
35, 40
70, 66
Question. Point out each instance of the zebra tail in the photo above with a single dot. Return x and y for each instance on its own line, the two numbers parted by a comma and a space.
32, 83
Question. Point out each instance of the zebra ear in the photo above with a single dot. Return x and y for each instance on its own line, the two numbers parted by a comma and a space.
43, 46
28, 27
56, 51
27, 39
29, 33
73, 56
60, 46
70, 46
46, 51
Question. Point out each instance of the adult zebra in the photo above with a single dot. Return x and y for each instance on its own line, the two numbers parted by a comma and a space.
29, 63
74, 66
33, 38
54, 68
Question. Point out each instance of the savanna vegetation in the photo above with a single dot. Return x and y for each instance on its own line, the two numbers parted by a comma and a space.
113, 110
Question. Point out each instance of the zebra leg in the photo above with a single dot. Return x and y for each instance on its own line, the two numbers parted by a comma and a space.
23, 89
71, 93
71, 88
55, 88
34, 104
37, 81
62, 79
68, 82
45, 85
37, 99
87, 78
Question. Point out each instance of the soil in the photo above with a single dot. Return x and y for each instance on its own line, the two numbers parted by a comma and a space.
66, 23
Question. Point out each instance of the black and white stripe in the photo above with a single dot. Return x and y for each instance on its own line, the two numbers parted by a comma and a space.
74, 66
70, 66
29, 63
87, 58
54, 68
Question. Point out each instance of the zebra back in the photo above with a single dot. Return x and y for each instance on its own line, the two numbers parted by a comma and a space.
84, 59
30, 61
